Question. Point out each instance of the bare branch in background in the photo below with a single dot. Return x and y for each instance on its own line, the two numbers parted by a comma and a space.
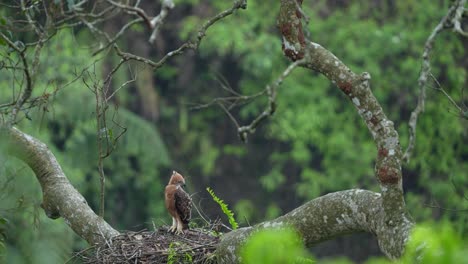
29, 68
154, 23
27, 74
458, 16
235, 98
105, 139
457, 190
442, 90
243, 131
25, 11
133, 10
450, 20
193, 44
227, 103
90, 14
158, 20
117, 36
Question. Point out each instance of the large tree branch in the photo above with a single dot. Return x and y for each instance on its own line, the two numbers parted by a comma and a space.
383, 215
357, 88
329, 216
60, 198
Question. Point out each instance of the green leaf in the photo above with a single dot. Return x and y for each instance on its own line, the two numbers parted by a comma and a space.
271, 246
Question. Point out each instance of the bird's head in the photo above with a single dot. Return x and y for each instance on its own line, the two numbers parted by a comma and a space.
177, 179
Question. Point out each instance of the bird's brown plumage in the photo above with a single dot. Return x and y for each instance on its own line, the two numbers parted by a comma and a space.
178, 203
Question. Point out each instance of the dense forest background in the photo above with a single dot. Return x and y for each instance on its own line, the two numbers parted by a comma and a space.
314, 144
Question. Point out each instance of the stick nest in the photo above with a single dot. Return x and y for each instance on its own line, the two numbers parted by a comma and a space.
160, 246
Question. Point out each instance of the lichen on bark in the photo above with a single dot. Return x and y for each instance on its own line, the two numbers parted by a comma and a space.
60, 198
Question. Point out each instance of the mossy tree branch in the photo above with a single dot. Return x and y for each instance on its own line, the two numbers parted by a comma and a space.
382, 214
60, 198
357, 88
326, 217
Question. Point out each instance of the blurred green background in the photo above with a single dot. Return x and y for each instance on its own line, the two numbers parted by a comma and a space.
314, 144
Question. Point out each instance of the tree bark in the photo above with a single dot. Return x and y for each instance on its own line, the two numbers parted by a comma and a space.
60, 198
383, 215
329, 216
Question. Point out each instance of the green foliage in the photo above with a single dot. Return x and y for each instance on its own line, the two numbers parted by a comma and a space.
275, 246
234, 150
314, 144
432, 243
66, 123
188, 258
272, 211
245, 210
172, 253
27, 235
337, 260
3, 223
316, 139
272, 180
174, 256
134, 162
224, 208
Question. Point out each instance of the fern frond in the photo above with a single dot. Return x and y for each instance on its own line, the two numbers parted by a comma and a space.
224, 208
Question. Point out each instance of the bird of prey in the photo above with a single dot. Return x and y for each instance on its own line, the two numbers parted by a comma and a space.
178, 203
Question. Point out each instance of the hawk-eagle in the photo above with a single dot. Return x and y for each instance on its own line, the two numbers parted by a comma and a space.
178, 203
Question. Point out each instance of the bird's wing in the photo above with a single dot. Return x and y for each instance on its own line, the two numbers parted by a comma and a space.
183, 204
170, 199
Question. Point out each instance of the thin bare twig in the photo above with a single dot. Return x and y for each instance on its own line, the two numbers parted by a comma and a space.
238, 4
232, 100
28, 89
101, 131
29, 19
425, 73
229, 115
461, 192
446, 209
106, 141
118, 35
271, 107
442, 90
132, 10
